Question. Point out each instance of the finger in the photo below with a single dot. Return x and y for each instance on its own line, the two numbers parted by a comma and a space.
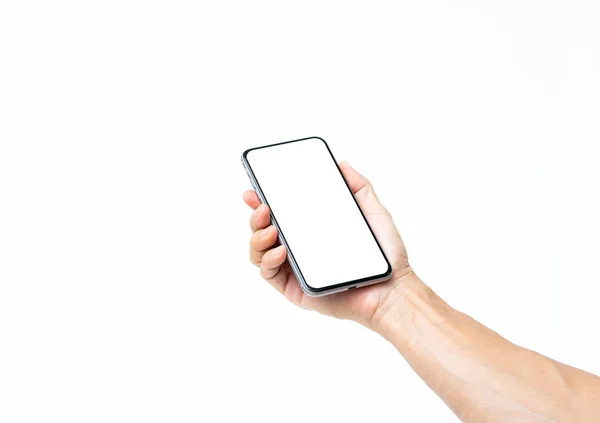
251, 199
354, 179
261, 218
261, 241
272, 261
363, 190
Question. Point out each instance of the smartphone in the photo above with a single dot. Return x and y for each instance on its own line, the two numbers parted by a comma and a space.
330, 245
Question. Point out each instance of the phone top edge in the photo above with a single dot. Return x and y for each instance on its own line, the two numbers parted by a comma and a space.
245, 153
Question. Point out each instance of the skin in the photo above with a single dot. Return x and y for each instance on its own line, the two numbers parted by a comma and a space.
480, 375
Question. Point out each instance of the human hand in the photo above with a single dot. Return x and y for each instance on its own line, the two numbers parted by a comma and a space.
362, 305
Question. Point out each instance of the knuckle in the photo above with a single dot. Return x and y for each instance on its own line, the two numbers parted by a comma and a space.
268, 274
254, 239
255, 259
263, 273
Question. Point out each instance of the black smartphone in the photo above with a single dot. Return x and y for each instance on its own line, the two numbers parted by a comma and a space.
330, 245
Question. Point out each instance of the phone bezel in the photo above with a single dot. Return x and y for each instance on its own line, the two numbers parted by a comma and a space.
330, 289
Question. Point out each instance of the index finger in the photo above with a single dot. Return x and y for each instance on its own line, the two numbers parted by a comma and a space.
251, 199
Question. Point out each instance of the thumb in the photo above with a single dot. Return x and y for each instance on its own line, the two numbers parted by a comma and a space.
362, 189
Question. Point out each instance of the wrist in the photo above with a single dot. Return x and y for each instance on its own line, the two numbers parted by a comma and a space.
397, 313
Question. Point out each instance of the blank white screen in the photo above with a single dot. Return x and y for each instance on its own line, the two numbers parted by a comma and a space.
316, 212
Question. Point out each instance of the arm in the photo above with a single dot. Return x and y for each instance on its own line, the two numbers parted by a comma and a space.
480, 375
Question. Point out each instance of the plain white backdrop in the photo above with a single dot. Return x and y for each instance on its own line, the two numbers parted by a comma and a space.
126, 293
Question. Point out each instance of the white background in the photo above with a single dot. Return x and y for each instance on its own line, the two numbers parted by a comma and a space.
125, 289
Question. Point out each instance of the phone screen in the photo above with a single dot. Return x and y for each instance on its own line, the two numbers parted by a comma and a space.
316, 212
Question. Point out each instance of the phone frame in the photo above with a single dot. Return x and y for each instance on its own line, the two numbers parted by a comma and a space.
309, 290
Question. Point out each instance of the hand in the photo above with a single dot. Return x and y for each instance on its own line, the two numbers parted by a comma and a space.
361, 305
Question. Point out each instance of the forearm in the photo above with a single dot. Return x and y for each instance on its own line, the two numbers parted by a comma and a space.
480, 375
